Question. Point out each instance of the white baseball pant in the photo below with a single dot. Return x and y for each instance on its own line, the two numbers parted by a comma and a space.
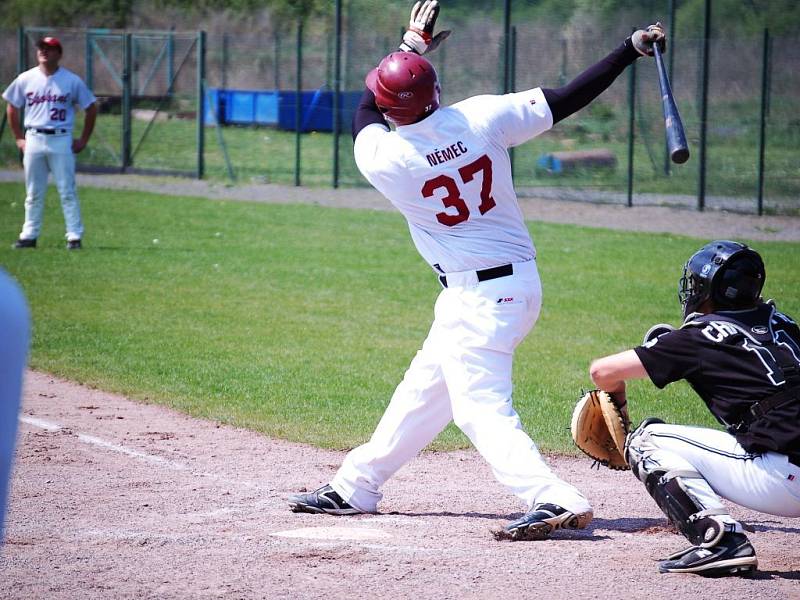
46, 154
766, 482
463, 374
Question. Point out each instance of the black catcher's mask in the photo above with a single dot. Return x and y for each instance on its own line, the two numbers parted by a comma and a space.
729, 273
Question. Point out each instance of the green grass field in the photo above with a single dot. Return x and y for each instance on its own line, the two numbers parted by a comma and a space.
298, 321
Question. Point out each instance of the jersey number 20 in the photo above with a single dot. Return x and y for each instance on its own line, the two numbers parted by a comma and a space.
453, 198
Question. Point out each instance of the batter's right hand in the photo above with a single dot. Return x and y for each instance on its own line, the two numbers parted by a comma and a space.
21, 144
643, 39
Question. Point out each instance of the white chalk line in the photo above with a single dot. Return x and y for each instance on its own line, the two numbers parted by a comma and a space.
40, 423
90, 439
96, 441
318, 534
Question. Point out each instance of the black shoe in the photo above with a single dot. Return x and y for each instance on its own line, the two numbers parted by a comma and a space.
20, 243
540, 521
733, 555
74, 245
323, 500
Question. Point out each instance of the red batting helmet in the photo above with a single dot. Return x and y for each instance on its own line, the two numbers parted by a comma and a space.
406, 87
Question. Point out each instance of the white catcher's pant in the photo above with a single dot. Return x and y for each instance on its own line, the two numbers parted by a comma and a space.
45, 154
767, 482
463, 374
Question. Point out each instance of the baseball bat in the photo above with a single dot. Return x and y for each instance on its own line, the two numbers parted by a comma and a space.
676, 138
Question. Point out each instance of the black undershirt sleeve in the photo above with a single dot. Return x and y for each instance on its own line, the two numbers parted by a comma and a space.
587, 86
367, 113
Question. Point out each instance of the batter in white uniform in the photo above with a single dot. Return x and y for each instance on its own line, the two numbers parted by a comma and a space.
448, 171
48, 94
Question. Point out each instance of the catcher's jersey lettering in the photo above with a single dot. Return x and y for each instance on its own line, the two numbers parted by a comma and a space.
719, 330
452, 151
768, 360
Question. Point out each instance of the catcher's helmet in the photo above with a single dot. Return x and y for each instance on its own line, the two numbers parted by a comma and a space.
406, 87
729, 273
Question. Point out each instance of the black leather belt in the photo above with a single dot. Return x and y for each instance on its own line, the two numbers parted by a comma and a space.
486, 274
48, 131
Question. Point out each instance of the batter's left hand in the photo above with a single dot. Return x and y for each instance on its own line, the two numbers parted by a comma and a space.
78, 145
643, 40
419, 37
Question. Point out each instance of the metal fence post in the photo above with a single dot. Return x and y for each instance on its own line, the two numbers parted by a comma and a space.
171, 61
22, 64
224, 61
298, 101
277, 60
201, 103
22, 50
701, 188
512, 79
507, 46
337, 84
631, 124
89, 39
762, 129
126, 100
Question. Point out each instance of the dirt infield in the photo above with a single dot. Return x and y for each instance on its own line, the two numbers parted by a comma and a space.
115, 499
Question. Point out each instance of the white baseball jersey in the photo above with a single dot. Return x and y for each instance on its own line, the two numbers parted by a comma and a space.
450, 176
49, 100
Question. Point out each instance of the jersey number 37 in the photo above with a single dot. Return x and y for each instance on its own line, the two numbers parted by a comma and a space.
453, 198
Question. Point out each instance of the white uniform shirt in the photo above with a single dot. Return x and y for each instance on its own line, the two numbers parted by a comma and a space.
450, 176
49, 99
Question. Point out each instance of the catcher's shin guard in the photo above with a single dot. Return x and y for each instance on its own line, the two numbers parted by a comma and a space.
701, 526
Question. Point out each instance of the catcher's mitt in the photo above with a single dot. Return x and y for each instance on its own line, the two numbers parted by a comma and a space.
599, 429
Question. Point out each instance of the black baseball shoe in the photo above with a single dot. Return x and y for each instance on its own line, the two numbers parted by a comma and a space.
733, 555
74, 245
20, 243
323, 500
542, 520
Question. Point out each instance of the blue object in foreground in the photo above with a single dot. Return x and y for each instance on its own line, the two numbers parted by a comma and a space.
14, 336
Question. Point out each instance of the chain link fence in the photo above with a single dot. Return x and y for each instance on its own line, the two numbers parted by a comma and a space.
270, 111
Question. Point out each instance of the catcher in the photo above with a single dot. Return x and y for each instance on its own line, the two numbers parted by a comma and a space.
742, 357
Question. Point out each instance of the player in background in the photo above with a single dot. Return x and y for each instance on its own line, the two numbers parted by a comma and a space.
48, 94
447, 170
14, 336
742, 357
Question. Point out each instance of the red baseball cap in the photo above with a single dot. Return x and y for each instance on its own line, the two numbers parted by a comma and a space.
49, 42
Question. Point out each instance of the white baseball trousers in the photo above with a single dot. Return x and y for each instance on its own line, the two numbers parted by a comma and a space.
45, 154
766, 482
463, 374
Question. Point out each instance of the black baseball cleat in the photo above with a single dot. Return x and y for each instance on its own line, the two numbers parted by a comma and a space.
323, 500
74, 245
733, 555
542, 520
20, 243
